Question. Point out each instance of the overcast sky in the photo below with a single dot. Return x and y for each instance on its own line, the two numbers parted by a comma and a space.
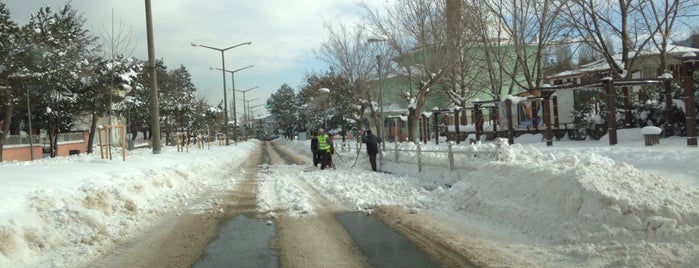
283, 33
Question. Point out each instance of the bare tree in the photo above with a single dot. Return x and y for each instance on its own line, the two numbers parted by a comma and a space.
415, 32
462, 81
529, 28
116, 45
348, 53
601, 21
661, 16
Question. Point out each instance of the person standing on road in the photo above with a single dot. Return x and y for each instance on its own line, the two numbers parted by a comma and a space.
326, 148
372, 147
314, 149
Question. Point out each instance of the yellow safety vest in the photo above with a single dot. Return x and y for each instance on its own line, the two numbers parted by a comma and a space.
323, 144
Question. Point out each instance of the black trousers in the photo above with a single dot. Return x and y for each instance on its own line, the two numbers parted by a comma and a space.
372, 161
326, 159
316, 157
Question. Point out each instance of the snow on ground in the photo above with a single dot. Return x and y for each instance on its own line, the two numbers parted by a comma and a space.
59, 212
577, 203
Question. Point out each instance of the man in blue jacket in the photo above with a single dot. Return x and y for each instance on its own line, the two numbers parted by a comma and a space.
372, 147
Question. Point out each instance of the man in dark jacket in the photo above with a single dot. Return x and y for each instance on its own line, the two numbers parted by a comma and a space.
314, 149
372, 147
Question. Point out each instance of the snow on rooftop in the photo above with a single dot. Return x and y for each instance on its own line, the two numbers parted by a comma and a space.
603, 65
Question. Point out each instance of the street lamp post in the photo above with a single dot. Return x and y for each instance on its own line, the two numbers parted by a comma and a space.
155, 108
247, 108
325, 114
381, 115
253, 118
235, 120
245, 91
29, 118
223, 71
247, 114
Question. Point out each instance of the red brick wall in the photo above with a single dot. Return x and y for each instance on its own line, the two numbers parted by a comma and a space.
21, 153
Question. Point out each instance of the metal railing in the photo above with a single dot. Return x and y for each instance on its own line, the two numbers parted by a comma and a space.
70, 136
21, 140
39, 139
453, 157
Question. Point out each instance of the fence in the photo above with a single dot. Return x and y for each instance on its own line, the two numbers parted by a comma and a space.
21, 139
455, 157
71, 136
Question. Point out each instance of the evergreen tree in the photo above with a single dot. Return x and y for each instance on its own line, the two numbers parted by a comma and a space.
336, 107
59, 55
9, 50
284, 108
178, 102
143, 95
203, 118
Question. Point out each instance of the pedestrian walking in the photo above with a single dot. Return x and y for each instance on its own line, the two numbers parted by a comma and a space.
372, 147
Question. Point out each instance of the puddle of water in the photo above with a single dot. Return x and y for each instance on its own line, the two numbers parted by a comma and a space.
242, 242
380, 244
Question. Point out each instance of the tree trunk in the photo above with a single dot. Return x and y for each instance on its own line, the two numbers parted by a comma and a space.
93, 127
412, 125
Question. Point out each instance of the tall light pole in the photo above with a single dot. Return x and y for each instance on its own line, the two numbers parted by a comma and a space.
253, 118
381, 115
223, 71
247, 116
154, 106
247, 111
235, 118
29, 118
244, 91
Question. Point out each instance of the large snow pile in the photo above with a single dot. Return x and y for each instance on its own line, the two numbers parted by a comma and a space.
582, 198
74, 207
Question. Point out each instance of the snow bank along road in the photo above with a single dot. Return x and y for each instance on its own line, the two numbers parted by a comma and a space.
274, 186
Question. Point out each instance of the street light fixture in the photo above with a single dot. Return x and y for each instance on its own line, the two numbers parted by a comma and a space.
223, 71
325, 90
235, 118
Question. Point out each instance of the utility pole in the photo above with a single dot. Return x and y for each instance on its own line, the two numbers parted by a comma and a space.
154, 106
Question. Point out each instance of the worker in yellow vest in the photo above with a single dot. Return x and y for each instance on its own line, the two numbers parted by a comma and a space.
325, 146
